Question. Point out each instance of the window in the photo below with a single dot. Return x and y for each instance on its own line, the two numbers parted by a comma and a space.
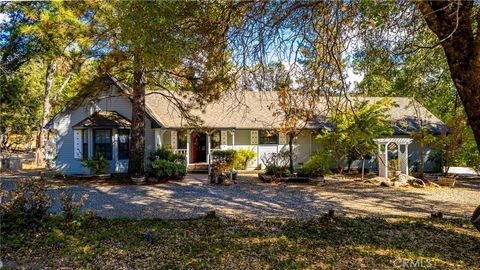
215, 140
182, 140
103, 142
267, 137
85, 144
123, 143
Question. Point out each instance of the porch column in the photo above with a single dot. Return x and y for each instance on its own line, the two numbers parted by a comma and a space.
399, 160
90, 143
208, 149
114, 144
189, 139
386, 160
406, 159
233, 138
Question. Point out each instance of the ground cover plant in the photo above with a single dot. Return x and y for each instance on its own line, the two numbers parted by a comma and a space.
218, 243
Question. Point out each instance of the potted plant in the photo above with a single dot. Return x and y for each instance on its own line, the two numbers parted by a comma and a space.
98, 164
138, 179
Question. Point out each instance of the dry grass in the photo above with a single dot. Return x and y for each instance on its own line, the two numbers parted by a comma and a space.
212, 243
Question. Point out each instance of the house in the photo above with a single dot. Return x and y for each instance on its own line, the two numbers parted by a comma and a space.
236, 121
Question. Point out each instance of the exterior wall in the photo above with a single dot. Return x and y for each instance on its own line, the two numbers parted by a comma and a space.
64, 138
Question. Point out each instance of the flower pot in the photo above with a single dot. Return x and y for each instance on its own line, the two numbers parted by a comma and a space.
138, 179
234, 174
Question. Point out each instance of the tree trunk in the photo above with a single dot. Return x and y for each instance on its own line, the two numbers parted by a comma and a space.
290, 151
422, 158
137, 148
42, 132
363, 167
462, 50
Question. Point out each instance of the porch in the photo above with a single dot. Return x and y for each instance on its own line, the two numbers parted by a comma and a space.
197, 144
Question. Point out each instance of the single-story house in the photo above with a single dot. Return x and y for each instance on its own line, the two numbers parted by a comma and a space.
235, 121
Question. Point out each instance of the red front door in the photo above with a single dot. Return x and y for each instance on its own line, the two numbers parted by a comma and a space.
194, 147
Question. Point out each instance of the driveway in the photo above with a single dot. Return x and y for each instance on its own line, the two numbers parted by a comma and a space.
252, 199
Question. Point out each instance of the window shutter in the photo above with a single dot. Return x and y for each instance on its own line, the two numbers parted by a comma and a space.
254, 137
282, 138
77, 144
173, 137
223, 137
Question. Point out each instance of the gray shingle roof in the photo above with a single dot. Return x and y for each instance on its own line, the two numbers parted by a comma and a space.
253, 110
104, 119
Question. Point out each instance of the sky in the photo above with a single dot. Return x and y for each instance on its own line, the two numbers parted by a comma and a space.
352, 78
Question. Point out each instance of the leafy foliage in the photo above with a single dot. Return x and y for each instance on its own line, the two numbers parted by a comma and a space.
98, 164
224, 157
26, 205
354, 130
71, 208
166, 164
165, 169
317, 165
242, 157
166, 154
277, 164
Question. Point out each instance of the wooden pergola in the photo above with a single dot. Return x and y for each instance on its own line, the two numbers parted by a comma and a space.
386, 144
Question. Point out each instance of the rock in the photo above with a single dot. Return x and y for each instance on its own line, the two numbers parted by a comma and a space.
404, 180
228, 182
375, 180
399, 184
211, 215
386, 183
418, 183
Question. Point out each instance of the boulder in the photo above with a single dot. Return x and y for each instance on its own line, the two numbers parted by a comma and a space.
228, 182
399, 184
418, 183
376, 180
404, 180
386, 183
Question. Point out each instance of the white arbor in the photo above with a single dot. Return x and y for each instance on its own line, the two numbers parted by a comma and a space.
386, 144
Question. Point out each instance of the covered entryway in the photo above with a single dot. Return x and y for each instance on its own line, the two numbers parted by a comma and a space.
398, 146
199, 147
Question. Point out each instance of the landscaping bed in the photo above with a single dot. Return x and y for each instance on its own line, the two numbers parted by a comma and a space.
214, 243
290, 179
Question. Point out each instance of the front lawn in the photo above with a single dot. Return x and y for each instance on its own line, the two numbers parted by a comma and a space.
341, 243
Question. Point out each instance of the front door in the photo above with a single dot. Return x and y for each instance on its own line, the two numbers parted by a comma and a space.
199, 147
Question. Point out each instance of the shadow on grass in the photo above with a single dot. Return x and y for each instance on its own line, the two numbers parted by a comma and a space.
213, 243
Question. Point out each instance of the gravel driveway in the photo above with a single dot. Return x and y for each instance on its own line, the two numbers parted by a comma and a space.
252, 199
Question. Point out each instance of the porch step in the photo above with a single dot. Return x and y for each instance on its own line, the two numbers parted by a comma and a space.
197, 168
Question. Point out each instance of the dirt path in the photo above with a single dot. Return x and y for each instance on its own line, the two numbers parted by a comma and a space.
255, 200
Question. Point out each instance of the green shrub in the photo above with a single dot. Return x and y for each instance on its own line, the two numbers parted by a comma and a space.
278, 171
165, 169
225, 158
242, 157
26, 205
71, 208
97, 165
166, 154
473, 160
317, 165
